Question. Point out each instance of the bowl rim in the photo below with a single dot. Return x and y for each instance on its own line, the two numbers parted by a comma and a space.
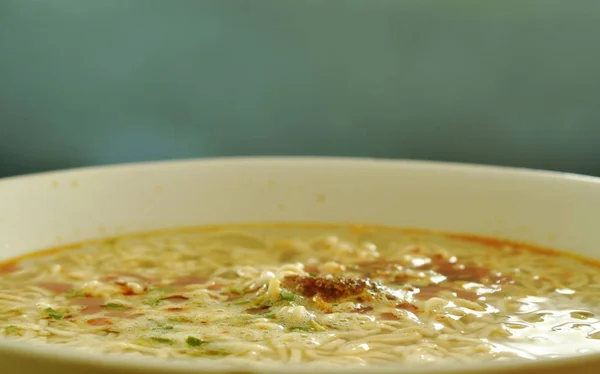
314, 160
57, 354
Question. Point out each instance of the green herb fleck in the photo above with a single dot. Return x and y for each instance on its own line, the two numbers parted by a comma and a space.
156, 294
162, 340
194, 342
54, 314
179, 319
315, 325
74, 294
268, 315
287, 295
166, 327
12, 329
152, 301
115, 306
352, 267
312, 274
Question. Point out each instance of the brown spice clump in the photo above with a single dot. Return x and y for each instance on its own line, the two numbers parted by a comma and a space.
327, 288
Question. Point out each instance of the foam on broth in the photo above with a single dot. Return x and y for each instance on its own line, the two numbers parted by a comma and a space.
335, 294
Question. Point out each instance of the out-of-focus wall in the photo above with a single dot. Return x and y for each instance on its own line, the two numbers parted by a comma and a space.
504, 82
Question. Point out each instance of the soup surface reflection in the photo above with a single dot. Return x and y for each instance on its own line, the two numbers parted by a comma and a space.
336, 294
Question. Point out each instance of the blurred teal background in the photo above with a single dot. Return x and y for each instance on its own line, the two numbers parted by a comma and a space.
501, 82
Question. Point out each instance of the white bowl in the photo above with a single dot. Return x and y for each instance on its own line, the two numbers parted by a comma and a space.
40, 211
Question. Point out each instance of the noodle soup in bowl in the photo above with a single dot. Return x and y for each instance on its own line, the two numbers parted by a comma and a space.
299, 265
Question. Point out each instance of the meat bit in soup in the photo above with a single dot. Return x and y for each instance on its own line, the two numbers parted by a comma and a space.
305, 294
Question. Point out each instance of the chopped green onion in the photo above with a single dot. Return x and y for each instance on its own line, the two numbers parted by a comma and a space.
12, 329
74, 294
152, 301
54, 314
167, 327
156, 294
114, 306
162, 340
288, 295
315, 325
194, 342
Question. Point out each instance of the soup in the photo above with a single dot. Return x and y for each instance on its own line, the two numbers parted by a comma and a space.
336, 294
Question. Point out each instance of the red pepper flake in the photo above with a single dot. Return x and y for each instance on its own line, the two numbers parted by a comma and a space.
127, 290
99, 322
328, 289
408, 307
311, 269
389, 317
260, 310
174, 309
233, 296
10, 267
176, 298
215, 287
56, 286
